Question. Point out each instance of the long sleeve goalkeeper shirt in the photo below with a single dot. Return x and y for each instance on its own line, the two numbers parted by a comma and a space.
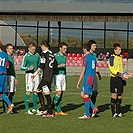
115, 65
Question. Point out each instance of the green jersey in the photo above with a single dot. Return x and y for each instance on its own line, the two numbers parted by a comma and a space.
60, 59
94, 54
30, 60
11, 69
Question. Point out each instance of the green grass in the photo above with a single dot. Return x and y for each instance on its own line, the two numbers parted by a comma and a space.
73, 105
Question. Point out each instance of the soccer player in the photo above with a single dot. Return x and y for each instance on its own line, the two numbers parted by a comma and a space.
88, 72
47, 66
11, 79
116, 81
95, 87
30, 63
4, 64
60, 78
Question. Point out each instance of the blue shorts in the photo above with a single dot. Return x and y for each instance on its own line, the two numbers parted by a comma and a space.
2, 83
87, 89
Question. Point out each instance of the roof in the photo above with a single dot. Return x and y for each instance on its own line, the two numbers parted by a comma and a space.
65, 7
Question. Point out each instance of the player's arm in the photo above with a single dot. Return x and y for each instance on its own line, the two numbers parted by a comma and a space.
41, 66
81, 76
111, 66
98, 73
23, 65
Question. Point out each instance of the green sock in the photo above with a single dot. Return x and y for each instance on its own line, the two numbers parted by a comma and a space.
4, 107
26, 101
59, 107
55, 99
35, 98
12, 99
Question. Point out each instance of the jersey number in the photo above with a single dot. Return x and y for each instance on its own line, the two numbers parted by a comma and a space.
51, 62
2, 61
93, 64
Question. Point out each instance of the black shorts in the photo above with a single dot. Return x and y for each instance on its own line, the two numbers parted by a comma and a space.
44, 84
116, 85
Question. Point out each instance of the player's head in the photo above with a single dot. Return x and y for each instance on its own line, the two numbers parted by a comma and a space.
63, 48
86, 48
117, 48
9, 48
92, 45
1, 44
32, 47
45, 45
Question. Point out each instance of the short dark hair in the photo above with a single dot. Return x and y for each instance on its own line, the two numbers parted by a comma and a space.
45, 43
62, 44
9, 44
32, 44
116, 45
88, 44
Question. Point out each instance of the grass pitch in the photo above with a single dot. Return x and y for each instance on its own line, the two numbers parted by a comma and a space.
73, 105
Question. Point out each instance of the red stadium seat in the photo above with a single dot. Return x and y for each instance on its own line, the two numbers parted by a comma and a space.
76, 64
71, 64
79, 55
69, 55
70, 58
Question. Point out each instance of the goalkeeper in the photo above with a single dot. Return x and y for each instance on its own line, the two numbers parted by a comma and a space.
117, 80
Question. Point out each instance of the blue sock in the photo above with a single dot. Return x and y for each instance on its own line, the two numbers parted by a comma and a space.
6, 99
87, 106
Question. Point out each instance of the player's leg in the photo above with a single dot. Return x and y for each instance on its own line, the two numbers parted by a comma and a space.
57, 84
2, 93
119, 97
63, 88
47, 90
41, 98
87, 103
35, 96
29, 85
7, 92
118, 105
113, 91
12, 89
95, 91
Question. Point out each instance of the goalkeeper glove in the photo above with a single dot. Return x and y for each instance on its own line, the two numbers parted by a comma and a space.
122, 75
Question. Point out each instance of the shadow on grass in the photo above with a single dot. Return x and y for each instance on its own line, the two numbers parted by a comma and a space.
104, 107
126, 108
71, 106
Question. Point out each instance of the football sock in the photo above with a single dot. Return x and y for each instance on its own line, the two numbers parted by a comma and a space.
87, 106
11, 94
59, 103
5, 98
93, 97
112, 103
4, 106
118, 105
41, 99
58, 109
56, 99
26, 101
35, 97
48, 97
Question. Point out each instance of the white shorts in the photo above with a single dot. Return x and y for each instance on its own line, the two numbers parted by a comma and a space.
60, 82
10, 84
95, 87
31, 84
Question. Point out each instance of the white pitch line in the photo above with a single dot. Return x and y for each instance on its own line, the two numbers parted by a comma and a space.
71, 93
